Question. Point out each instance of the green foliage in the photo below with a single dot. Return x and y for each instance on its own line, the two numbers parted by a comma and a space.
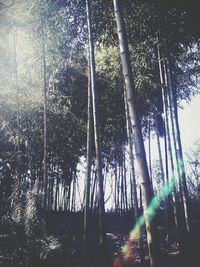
24, 240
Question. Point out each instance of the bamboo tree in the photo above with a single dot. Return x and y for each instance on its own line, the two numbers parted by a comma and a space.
18, 181
137, 132
131, 158
179, 151
115, 181
167, 132
17, 91
149, 148
121, 187
172, 124
68, 195
45, 118
56, 192
118, 189
166, 204
166, 155
73, 197
102, 235
94, 182
133, 180
131, 192
125, 184
88, 167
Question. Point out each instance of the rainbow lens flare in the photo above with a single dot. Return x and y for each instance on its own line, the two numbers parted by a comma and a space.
154, 205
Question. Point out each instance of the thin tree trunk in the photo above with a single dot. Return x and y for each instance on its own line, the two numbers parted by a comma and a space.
131, 158
166, 155
172, 128
58, 197
64, 197
68, 196
17, 91
166, 206
56, 193
133, 180
118, 189
102, 235
45, 119
131, 192
179, 151
149, 147
93, 189
115, 175
165, 104
73, 202
121, 189
137, 133
88, 169
125, 185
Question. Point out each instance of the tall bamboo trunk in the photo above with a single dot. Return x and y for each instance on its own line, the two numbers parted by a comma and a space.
94, 181
102, 235
118, 189
73, 197
45, 119
64, 196
56, 193
179, 151
125, 184
69, 187
17, 92
115, 181
121, 188
164, 181
131, 192
131, 158
133, 180
137, 132
166, 155
167, 82
88, 169
18, 176
167, 132
149, 152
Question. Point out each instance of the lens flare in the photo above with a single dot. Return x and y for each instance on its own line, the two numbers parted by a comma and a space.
154, 205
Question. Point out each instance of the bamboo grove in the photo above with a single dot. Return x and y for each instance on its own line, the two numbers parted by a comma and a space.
85, 86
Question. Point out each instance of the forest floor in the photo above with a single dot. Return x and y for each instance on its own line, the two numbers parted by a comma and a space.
68, 230
118, 230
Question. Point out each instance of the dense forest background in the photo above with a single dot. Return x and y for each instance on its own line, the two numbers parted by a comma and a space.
83, 84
